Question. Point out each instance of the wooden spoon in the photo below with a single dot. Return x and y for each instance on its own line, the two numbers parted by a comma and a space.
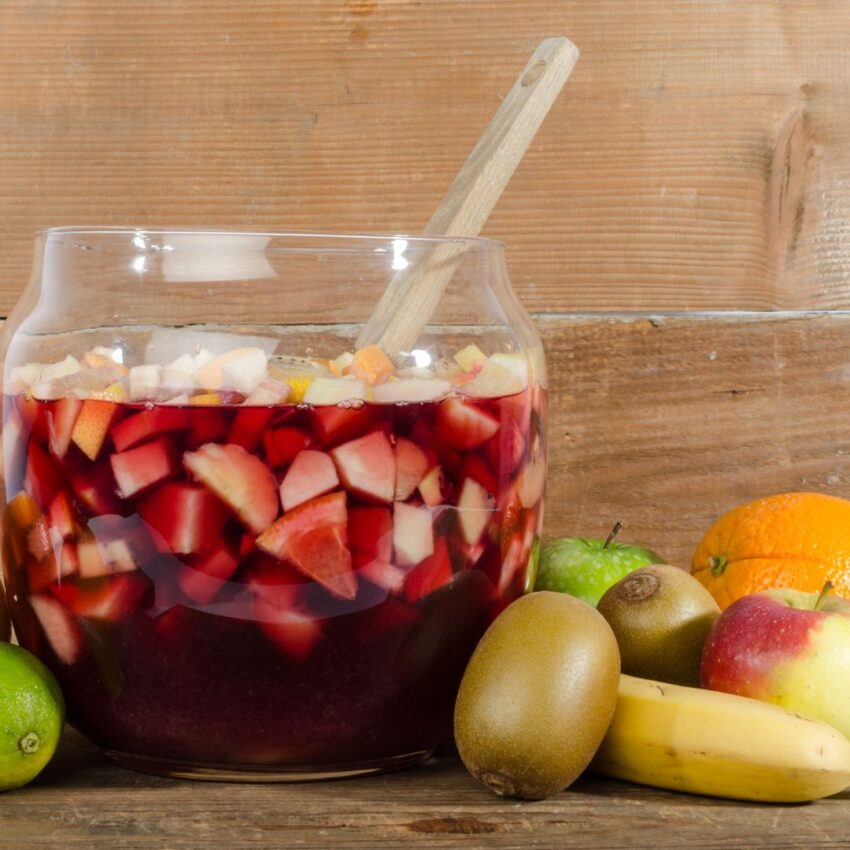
412, 296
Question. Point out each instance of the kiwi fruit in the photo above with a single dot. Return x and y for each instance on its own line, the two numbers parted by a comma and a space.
537, 696
661, 616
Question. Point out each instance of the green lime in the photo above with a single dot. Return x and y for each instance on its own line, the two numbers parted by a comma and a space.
5, 625
32, 713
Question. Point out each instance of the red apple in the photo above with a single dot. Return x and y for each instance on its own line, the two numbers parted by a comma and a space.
786, 647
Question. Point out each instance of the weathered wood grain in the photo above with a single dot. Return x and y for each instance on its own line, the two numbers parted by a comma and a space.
697, 159
668, 423
83, 801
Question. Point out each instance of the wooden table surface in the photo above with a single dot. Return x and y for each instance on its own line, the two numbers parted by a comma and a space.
84, 801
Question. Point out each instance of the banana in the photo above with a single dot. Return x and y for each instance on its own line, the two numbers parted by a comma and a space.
721, 745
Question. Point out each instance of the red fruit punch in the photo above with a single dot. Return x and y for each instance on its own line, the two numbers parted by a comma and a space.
148, 423
137, 469
281, 445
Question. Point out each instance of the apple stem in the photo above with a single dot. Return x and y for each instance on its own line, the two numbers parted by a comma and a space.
618, 527
825, 591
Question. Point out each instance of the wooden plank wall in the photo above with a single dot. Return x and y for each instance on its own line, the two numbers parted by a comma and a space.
699, 160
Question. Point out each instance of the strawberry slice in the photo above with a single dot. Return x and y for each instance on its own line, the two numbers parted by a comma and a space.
187, 516
208, 425
204, 578
113, 598
311, 474
60, 424
281, 445
137, 469
370, 530
464, 425
43, 477
96, 489
429, 575
63, 517
313, 538
335, 424
413, 533
241, 480
366, 467
248, 426
63, 634
411, 464
148, 423
294, 632
92, 425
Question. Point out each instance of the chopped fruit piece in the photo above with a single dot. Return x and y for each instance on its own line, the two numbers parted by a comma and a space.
248, 426
92, 425
413, 533
21, 378
337, 424
512, 562
383, 574
474, 467
298, 388
63, 634
111, 598
43, 478
207, 428
411, 390
532, 479
371, 365
467, 358
52, 372
41, 573
69, 561
94, 360
411, 464
470, 555
515, 363
187, 516
432, 487
371, 531
202, 358
366, 466
205, 400
22, 511
116, 392
241, 369
244, 373
506, 450
269, 392
141, 467
464, 425
204, 578
145, 382
102, 558
327, 391
294, 632
283, 444
63, 517
60, 424
179, 376
38, 540
475, 508
96, 489
313, 538
429, 575
494, 380
148, 423
341, 363
241, 480
311, 474
179, 400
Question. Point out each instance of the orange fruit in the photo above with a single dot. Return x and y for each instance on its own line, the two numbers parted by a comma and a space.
797, 540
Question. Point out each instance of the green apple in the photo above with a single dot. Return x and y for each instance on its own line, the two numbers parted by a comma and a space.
586, 568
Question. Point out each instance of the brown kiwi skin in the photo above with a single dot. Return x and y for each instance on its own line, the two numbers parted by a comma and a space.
537, 696
661, 616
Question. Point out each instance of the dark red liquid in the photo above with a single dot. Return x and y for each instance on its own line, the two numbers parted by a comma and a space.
175, 635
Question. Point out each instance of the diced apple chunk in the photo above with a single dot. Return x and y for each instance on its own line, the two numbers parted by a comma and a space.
326, 391
145, 382
494, 380
187, 516
432, 487
143, 466
464, 425
366, 466
269, 392
475, 509
411, 390
241, 480
411, 463
312, 473
468, 357
383, 574
60, 424
63, 634
413, 533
